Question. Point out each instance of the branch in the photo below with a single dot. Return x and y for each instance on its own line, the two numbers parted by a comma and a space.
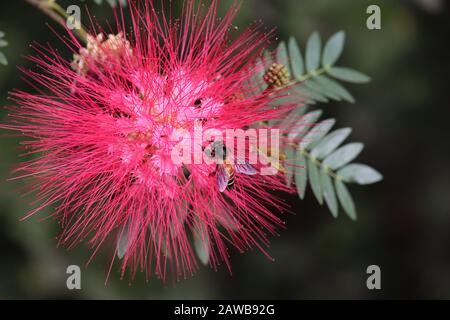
46, 7
57, 13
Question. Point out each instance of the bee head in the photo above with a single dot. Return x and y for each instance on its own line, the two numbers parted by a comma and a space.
217, 150
198, 103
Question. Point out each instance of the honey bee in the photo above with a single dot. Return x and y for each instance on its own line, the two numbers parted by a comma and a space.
198, 103
226, 174
150, 150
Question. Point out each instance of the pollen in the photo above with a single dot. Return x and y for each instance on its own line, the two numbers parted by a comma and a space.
99, 49
277, 76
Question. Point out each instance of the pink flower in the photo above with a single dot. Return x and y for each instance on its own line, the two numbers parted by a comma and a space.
103, 135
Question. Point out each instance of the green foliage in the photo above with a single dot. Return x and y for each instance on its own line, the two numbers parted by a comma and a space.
122, 242
3, 44
314, 156
360, 174
113, 3
320, 160
297, 65
349, 75
202, 250
333, 49
201, 244
313, 48
316, 75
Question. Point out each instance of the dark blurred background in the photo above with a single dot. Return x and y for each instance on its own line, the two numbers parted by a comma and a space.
404, 222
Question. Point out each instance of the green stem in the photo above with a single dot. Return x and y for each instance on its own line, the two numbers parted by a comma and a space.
81, 32
57, 13
296, 146
309, 75
316, 162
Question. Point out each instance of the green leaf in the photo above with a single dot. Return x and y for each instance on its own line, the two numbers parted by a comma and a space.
292, 97
259, 76
3, 43
302, 127
346, 199
328, 193
319, 88
260, 69
2, 34
293, 117
282, 55
113, 3
298, 67
315, 181
318, 132
343, 156
330, 143
201, 247
301, 174
334, 87
313, 95
122, 243
226, 220
333, 49
360, 174
3, 59
267, 58
182, 211
290, 161
349, 75
313, 52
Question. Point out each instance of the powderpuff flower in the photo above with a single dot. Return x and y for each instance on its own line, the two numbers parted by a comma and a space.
104, 131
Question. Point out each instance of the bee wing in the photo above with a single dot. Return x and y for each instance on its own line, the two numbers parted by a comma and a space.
222, 178
245, 169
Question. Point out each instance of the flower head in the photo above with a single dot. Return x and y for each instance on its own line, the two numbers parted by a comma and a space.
127, 138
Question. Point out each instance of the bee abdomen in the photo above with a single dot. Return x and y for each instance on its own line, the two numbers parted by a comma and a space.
232, 178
